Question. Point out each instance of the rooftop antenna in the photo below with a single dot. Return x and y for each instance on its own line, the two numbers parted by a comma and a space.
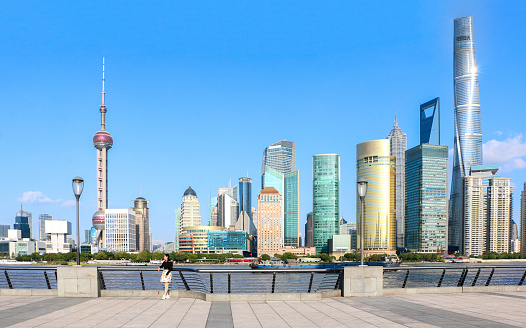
140, 190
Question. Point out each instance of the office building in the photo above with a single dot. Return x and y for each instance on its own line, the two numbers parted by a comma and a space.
349, 229
42, 218
376, 165
245, 195
430, 122
270, 222
87, 236
177, 228
120, 235
474, 239
522, 235
398, 146
3, 230
278, 170
227, 207
194, 239
212, 211
309, 237
23, 222
339, 245
499, 215
228, 241
254, 216
142, 224
190, 216
426, 208
515, 242
58, 231
467, 151
325, 199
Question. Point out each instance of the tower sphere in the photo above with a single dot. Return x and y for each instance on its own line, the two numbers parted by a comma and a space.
98, 220
102, 139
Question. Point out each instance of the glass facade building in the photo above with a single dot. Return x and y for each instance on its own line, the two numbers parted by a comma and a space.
430, 122
42, 218
245, 194
227, 240
325, 199
426, 207
22, 224
398, 144
468, 129
375, 164
3, 230
278, 170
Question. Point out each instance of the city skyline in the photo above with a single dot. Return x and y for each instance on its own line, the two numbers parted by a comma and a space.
174, 102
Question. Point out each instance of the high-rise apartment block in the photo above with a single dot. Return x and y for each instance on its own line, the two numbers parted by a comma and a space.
270, 222
375, 164
42, 218
426, 207
120, 235
278, 170
499, 215
142, 224
190, 216
398, 146
467, 151
325, 199
522, 235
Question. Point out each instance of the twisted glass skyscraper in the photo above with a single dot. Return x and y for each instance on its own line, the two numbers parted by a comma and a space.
468, 130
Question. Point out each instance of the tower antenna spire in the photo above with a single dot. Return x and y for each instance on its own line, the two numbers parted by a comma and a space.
103, 93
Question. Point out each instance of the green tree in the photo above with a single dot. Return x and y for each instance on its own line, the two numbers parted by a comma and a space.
288, 256
143, 256
325, 258
265, 257
100, 256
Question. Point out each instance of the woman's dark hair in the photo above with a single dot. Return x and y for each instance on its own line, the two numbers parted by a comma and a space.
168, 256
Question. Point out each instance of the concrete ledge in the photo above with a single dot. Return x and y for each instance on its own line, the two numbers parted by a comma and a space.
426, 290
331, 293
493, 289
28, 292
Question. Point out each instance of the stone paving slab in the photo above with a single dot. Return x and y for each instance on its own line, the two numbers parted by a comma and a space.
417, 311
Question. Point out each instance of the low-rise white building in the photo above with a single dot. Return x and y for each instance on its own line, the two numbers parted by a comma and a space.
58, 230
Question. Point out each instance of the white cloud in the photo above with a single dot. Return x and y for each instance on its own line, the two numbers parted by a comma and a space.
509, 153
37, 197
69, 203
499, 133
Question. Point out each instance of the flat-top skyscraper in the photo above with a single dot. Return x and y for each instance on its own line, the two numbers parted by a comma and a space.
468, 129
523, 219
398, 143
278, 170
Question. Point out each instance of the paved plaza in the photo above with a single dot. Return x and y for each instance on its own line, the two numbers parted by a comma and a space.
426, 310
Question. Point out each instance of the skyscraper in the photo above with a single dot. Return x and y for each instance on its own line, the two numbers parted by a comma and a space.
499, 215
468, 130
142, 224
308, 231
245, 194
278, 170
227, 207
426, 172
190, 216
375, 164
430, 122
398, 146
177, 229
120, 230
23, 222
270, 222
523, 219
325, 199
42, 218
103, 141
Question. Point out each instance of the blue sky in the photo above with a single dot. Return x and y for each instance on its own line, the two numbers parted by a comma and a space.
196, 90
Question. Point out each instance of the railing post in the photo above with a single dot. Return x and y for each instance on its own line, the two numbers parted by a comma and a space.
8, 280
47, 280
142, 280
310, 282
441, 278
522, 279
273, 281
462, 277
405, 280
184, 280
101, 278
338, 280
229, 282
490, 276
476, 277
211, 283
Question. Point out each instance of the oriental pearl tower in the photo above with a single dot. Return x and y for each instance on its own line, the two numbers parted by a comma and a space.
103, 141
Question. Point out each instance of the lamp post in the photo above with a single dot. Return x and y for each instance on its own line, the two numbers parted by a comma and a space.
78, 186
362, 191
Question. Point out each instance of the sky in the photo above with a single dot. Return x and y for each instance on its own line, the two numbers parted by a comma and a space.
196, 90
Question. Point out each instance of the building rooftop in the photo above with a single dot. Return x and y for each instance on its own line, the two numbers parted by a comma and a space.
269, 190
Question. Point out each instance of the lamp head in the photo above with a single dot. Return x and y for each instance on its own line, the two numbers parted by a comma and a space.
361, 185
78, 186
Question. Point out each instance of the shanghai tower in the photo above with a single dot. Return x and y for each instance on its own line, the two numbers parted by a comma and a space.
468, 130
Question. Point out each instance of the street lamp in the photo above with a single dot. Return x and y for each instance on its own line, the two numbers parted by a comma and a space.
362, 191
78, 186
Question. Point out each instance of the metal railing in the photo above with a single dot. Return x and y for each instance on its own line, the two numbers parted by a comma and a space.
28, 277
454, 276
223, 280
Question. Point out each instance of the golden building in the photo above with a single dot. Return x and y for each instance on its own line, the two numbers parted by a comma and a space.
270, 222
374, 163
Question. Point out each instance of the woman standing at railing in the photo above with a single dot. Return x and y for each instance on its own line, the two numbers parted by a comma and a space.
166, 276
